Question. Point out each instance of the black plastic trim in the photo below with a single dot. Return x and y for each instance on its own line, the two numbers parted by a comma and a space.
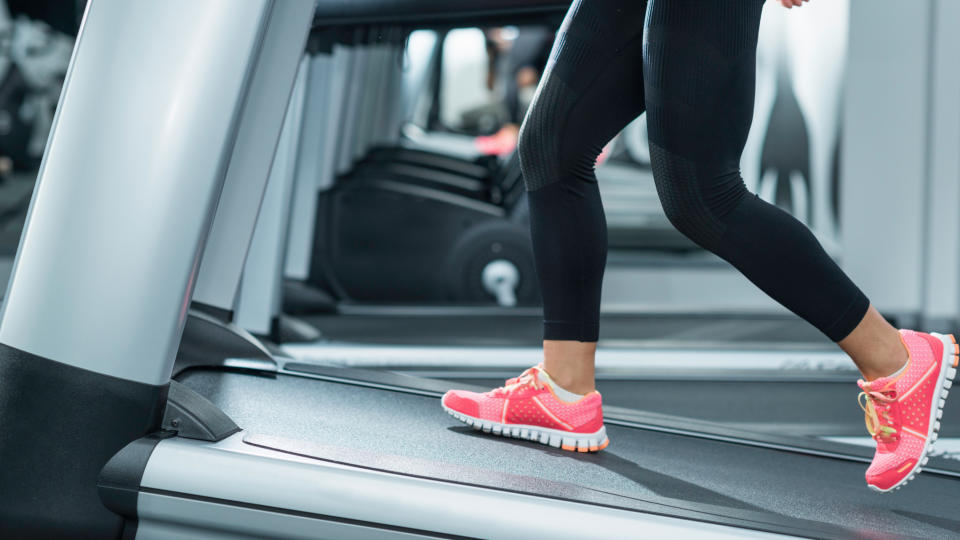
61, 424
291, 329
300, 298
222, 315
193, 416
119, 481
208, 341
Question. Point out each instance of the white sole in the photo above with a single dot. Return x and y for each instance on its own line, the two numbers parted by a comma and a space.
947, 372
573, 442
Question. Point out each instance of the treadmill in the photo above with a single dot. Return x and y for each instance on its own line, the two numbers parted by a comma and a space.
243, 442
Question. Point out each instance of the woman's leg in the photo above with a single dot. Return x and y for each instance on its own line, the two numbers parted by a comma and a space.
875, 346
699, 70
591, 89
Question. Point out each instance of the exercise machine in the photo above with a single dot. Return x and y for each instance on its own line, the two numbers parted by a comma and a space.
98, 442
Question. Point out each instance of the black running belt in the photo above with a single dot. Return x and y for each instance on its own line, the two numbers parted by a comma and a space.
640, 464
628, 417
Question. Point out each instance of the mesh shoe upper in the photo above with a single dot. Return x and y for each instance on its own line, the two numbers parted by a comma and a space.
898, 410
525, 400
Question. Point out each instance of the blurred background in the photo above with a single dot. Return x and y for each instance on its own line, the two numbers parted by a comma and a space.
856, 132
36, 39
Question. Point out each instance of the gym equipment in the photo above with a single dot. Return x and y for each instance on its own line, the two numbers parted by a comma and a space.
82, 378
465, 236
659, 463
98, 442
454, 246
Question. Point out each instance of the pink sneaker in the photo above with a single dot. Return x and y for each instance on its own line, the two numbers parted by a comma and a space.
903, 412
528, 408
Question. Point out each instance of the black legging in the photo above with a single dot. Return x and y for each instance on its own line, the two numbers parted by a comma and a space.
697, 85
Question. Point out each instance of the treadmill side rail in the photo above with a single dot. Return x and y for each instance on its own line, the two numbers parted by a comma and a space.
119, 482
232, 487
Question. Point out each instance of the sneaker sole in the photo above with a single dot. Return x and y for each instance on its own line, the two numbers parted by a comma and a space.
564, 440
948, 370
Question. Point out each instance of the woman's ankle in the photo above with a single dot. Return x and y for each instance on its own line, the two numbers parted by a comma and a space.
875, 347
570, 364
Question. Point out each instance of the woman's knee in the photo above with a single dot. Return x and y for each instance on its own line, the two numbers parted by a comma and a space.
695, 200
532, 149
538, 146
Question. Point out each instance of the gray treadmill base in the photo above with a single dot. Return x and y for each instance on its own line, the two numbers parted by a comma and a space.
237, 489
645, 461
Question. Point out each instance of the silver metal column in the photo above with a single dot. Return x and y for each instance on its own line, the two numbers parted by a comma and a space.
941, 303
355, 90
219, 279
310, 161
375, 84
317, 158
884, 163
261, 288
901, 167
132, 172
344, 65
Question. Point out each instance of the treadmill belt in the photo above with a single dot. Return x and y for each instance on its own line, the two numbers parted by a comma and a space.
400, 426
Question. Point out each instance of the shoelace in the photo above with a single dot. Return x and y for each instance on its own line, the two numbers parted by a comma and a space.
513, 380
530, 377
876, 407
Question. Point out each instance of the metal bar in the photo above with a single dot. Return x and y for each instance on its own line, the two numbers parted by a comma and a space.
262, 284
271, 84
129, 181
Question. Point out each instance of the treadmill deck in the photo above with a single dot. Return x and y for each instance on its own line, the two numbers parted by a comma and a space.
403, 429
